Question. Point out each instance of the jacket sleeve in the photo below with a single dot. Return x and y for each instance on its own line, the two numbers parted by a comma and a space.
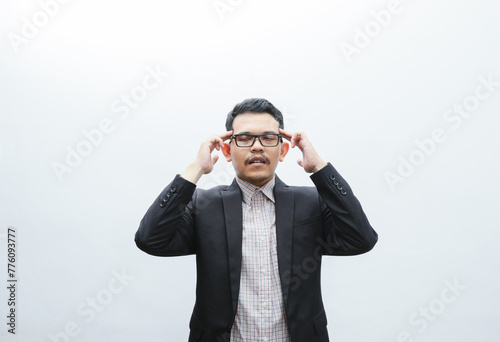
167, 228
346, 230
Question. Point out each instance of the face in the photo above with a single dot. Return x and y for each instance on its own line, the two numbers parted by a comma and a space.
243, 158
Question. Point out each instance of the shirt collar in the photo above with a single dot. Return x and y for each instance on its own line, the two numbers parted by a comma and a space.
248, 189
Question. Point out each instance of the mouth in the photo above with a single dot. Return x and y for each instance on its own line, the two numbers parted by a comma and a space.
257, 161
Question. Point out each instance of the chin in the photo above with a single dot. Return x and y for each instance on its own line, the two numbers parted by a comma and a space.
260, 175
258, 178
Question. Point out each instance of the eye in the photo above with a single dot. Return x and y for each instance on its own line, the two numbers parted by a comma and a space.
244, 138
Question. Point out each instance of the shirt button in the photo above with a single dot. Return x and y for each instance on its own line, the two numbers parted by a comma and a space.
257, 211
262, 238
264, 305
264, 339
264, 271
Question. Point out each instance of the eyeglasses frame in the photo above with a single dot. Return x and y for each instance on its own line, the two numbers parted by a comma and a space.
255, 137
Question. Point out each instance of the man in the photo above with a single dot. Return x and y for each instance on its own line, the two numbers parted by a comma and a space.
258, 242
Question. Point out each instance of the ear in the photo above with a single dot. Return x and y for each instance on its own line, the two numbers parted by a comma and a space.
226, 151
285, 147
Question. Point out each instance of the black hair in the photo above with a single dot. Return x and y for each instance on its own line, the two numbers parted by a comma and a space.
254, 105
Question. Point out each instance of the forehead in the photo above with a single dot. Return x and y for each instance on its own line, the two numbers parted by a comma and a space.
255, 123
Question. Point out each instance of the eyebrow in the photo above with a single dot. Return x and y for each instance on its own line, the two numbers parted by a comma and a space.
266, 132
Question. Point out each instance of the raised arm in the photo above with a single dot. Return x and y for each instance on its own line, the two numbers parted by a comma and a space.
167, 227
346, 227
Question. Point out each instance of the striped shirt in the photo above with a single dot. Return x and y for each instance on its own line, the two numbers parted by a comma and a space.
260, 316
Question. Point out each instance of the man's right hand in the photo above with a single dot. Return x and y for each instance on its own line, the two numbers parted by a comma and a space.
204, 162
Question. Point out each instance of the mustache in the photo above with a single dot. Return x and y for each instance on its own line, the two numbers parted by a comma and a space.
257, 155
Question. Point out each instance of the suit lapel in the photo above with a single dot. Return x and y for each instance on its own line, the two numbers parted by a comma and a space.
284, 200
231, 199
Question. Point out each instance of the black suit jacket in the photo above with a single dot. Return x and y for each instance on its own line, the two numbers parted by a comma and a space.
310, 222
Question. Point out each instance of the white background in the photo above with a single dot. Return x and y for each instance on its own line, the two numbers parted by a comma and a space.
438, 224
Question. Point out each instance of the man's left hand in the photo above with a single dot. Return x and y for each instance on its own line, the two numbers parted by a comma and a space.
310, 161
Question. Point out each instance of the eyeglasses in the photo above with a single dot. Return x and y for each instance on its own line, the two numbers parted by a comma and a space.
266, 140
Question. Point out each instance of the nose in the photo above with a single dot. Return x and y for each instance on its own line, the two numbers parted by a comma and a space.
257, 146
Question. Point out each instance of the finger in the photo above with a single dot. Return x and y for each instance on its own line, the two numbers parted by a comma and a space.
220, 142
286, 134
215, 157
295, 139
226, 135
300, 162
298, 138
223, 137
214, 143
